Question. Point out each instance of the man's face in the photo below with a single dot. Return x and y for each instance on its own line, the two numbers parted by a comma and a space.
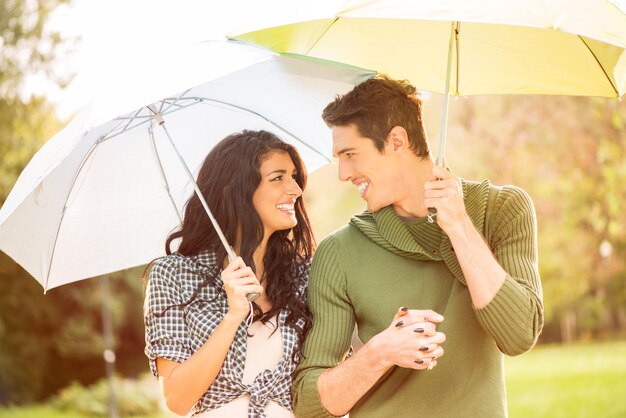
375, 174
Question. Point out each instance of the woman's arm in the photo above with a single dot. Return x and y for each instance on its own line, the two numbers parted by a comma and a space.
184, 383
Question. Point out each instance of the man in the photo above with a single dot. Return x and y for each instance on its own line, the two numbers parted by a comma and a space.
476, 266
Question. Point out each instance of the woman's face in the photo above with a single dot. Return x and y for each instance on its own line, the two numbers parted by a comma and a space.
275, 197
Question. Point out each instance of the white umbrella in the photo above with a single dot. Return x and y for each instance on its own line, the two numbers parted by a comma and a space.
103, 194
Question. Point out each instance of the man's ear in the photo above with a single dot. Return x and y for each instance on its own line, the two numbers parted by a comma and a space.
398, 138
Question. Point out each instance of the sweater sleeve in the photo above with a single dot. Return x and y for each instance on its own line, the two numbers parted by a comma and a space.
514, 317
329, 339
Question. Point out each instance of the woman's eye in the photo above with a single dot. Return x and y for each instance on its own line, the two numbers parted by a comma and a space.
278, 178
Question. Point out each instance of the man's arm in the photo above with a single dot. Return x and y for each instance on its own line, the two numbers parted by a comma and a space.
504, 284
324, 384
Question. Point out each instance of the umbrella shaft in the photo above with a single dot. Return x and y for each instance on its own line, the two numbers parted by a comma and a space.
446, 96
220, 234
231, 254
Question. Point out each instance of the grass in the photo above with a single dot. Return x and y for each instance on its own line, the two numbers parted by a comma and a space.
43, 411
577, 381
552, 381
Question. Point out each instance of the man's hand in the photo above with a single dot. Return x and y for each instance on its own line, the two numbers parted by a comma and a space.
411, 340
444, 192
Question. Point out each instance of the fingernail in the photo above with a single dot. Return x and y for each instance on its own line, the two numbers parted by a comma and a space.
420, 330
424, 348
399, 324
419, 361
403, 309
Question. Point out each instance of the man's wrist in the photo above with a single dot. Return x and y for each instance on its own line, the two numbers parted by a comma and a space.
373, 353
461, 230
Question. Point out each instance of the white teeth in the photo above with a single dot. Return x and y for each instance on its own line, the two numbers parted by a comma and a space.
285, 206
362, 187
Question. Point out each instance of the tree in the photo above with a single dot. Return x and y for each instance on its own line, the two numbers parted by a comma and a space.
48, 340
569, 154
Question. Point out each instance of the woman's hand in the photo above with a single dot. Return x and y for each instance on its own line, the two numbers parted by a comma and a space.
239, 280
412, 340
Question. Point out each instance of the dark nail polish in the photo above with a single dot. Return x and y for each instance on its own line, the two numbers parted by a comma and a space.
424, 348
420, 330
399, 323
419, 361
403, 309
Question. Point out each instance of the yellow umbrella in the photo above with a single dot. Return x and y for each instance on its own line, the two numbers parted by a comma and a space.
572, 47
459, 47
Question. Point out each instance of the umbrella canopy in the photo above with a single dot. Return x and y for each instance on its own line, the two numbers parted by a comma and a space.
569, 47
103, 194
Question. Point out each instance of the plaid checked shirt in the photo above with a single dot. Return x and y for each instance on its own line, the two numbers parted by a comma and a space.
179, 332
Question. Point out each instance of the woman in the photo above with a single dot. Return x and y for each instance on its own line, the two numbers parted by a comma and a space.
208, 362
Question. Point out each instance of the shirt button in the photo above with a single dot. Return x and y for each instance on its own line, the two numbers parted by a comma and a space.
435, 252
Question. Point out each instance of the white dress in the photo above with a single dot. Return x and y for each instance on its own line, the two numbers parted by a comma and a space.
264, 352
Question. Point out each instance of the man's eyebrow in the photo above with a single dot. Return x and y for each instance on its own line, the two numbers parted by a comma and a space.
343, 151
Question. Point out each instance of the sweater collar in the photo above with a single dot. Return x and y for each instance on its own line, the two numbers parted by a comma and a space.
387, 230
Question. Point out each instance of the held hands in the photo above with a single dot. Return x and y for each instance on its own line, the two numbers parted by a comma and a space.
444, 192
239, 280
412, 340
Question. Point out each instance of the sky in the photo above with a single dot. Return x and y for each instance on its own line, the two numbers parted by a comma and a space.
106, 36
111, 35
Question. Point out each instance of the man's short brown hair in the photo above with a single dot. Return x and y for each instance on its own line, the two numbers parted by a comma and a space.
375, 106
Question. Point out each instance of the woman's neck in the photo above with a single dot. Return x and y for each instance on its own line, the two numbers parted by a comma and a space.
258, 256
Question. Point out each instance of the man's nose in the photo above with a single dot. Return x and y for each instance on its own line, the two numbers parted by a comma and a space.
345, 172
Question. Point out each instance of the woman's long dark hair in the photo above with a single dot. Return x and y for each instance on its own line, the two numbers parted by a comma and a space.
228, 178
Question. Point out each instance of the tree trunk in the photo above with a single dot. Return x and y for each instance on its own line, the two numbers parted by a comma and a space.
568, 327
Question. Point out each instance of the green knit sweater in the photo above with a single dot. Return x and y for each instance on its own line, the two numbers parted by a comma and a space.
365, 271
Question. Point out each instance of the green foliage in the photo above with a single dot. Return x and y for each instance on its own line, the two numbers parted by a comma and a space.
133, 398
26, 46
569, 153
36, 411
46, 341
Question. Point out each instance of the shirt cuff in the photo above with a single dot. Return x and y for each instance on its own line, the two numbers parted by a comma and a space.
167, 352
508, 317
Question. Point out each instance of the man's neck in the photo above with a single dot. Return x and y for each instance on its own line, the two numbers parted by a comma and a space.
417, 174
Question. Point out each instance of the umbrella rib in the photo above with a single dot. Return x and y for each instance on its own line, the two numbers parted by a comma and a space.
173, 100
56, 237
601, 66
203, 100
206, 100
131, 120
147, 119
160, 165
319, 38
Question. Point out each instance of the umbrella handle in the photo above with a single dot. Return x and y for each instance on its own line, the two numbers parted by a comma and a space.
432, 213
231, 256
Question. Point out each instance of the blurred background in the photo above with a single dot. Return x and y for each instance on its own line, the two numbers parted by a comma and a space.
569, 153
